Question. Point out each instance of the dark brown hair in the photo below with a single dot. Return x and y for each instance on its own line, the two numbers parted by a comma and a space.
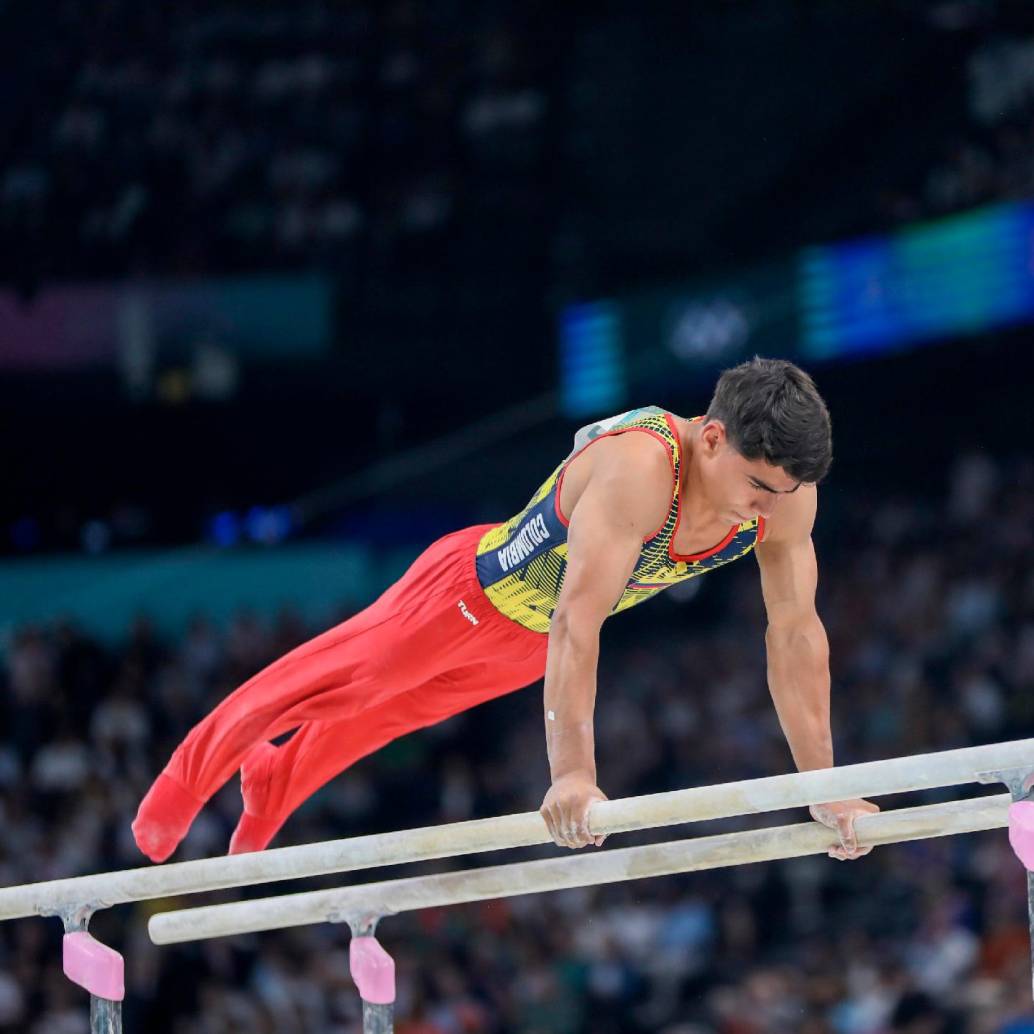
772, 411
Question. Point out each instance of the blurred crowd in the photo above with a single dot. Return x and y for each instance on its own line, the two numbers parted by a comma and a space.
991, 155
186, 137
199, 138
929, 606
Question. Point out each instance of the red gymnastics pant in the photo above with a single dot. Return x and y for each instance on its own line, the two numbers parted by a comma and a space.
431, 646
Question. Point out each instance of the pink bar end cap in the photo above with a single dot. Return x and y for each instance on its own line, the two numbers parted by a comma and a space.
1021, 831
373, 970
94, 966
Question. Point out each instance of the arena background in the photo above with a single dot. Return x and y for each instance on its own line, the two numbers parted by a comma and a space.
289, 290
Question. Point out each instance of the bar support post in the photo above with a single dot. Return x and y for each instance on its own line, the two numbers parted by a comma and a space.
373, 971
98, 969
1020, 782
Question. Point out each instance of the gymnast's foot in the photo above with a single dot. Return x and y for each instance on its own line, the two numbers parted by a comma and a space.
164, 817
255, 829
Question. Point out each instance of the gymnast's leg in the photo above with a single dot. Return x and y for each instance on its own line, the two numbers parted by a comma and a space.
411, 633
277, 780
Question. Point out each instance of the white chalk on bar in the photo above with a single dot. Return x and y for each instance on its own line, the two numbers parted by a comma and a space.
747, 797
580, 870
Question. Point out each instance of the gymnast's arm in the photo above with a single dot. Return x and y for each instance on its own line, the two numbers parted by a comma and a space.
798, 653
798, 650
624, 499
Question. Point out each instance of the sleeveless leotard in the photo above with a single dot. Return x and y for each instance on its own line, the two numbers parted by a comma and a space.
521, 563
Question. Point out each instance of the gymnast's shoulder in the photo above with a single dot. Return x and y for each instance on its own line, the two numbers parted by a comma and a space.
792, 520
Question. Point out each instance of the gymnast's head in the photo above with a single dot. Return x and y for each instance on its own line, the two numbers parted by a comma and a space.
766, 433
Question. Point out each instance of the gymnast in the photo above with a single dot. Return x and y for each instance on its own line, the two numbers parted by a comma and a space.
644, 500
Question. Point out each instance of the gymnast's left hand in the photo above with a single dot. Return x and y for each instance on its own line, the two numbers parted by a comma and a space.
840, 816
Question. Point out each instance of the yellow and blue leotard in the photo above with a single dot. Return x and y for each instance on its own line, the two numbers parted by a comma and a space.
521, 563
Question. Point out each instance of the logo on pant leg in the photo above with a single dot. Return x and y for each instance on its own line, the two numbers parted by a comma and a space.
466, 613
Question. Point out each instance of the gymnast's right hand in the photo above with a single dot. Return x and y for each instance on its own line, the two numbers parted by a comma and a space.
566, 810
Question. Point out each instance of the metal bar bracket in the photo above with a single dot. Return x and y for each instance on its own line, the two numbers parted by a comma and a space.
1020, 782
373, 971
98, 969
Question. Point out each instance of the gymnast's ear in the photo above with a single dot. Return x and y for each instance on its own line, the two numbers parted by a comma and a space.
713, 436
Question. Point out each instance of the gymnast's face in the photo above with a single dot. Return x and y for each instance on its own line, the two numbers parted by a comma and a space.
738, 489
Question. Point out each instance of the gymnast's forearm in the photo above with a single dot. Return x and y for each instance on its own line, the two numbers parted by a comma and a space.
570, 699
799, 682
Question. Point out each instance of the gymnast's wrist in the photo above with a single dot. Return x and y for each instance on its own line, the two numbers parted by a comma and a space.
573, 773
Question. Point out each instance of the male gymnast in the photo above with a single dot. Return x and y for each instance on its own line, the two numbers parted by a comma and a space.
646, 499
